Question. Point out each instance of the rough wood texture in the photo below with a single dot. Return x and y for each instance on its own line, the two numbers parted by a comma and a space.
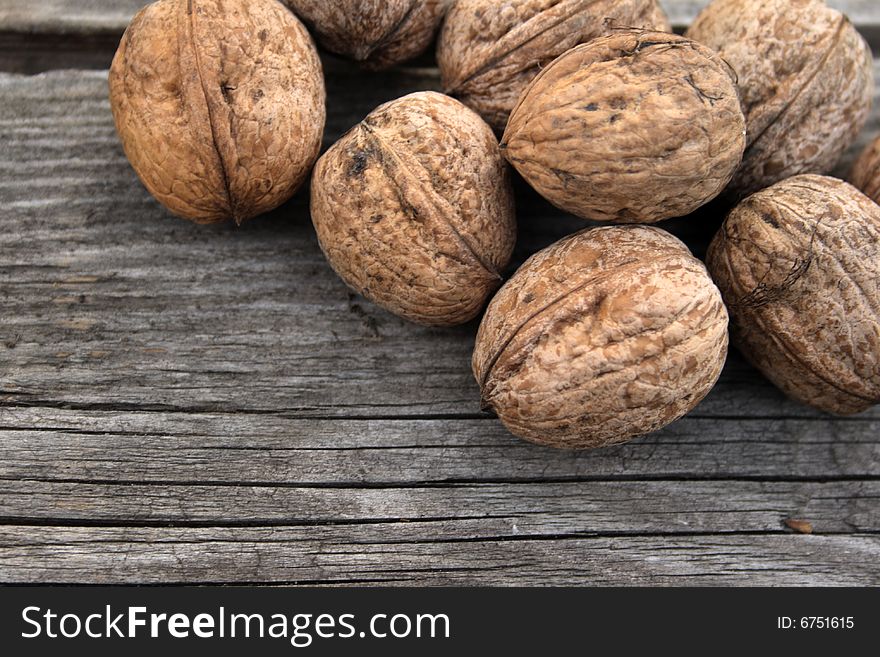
407, 553
185, 404
255, 449
66, 17
91, 16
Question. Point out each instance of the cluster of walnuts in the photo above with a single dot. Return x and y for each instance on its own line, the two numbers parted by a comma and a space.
614, 331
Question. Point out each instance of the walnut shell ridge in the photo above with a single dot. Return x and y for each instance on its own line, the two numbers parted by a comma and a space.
806, 79
799, 267
490, 51
219, 105
866, 171
633, 127
376, 33
414, 209
608, 334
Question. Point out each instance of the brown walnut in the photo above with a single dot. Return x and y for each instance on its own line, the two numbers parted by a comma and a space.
377, 33
866, 172
609, 334
219, 105
414, 209
633, 127
490, 51
799, 267
806, 79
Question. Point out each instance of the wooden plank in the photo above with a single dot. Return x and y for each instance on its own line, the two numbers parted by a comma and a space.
65, 17
108, 302
164, 448
474, 510
406, 553
211, 405
91, 16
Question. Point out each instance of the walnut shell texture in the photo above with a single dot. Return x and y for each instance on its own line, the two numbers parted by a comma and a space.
806, 79
219, 105
799, 267
377, 33
414, 209
633, 127
866, 171
608, 334
490, 51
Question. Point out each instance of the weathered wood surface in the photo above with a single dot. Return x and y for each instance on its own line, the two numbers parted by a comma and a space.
484, 510
184, 404
95, 16
272, 449
407, 553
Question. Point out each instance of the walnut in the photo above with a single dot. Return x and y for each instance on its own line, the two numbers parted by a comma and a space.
633, 127
219, 105
490, 51
806, 80
866, 172
799, 267
377, 33
611, 333
414, 209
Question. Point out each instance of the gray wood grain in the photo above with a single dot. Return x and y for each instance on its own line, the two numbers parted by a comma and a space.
485, 510
90, 16
409, 553
180, 448
67, 16
194, 404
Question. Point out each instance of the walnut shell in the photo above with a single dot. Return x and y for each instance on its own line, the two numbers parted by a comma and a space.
414, 209
611, 333
799, 267
490, 51
377, 33
633, 127
866, 172
219, 105
806, 79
